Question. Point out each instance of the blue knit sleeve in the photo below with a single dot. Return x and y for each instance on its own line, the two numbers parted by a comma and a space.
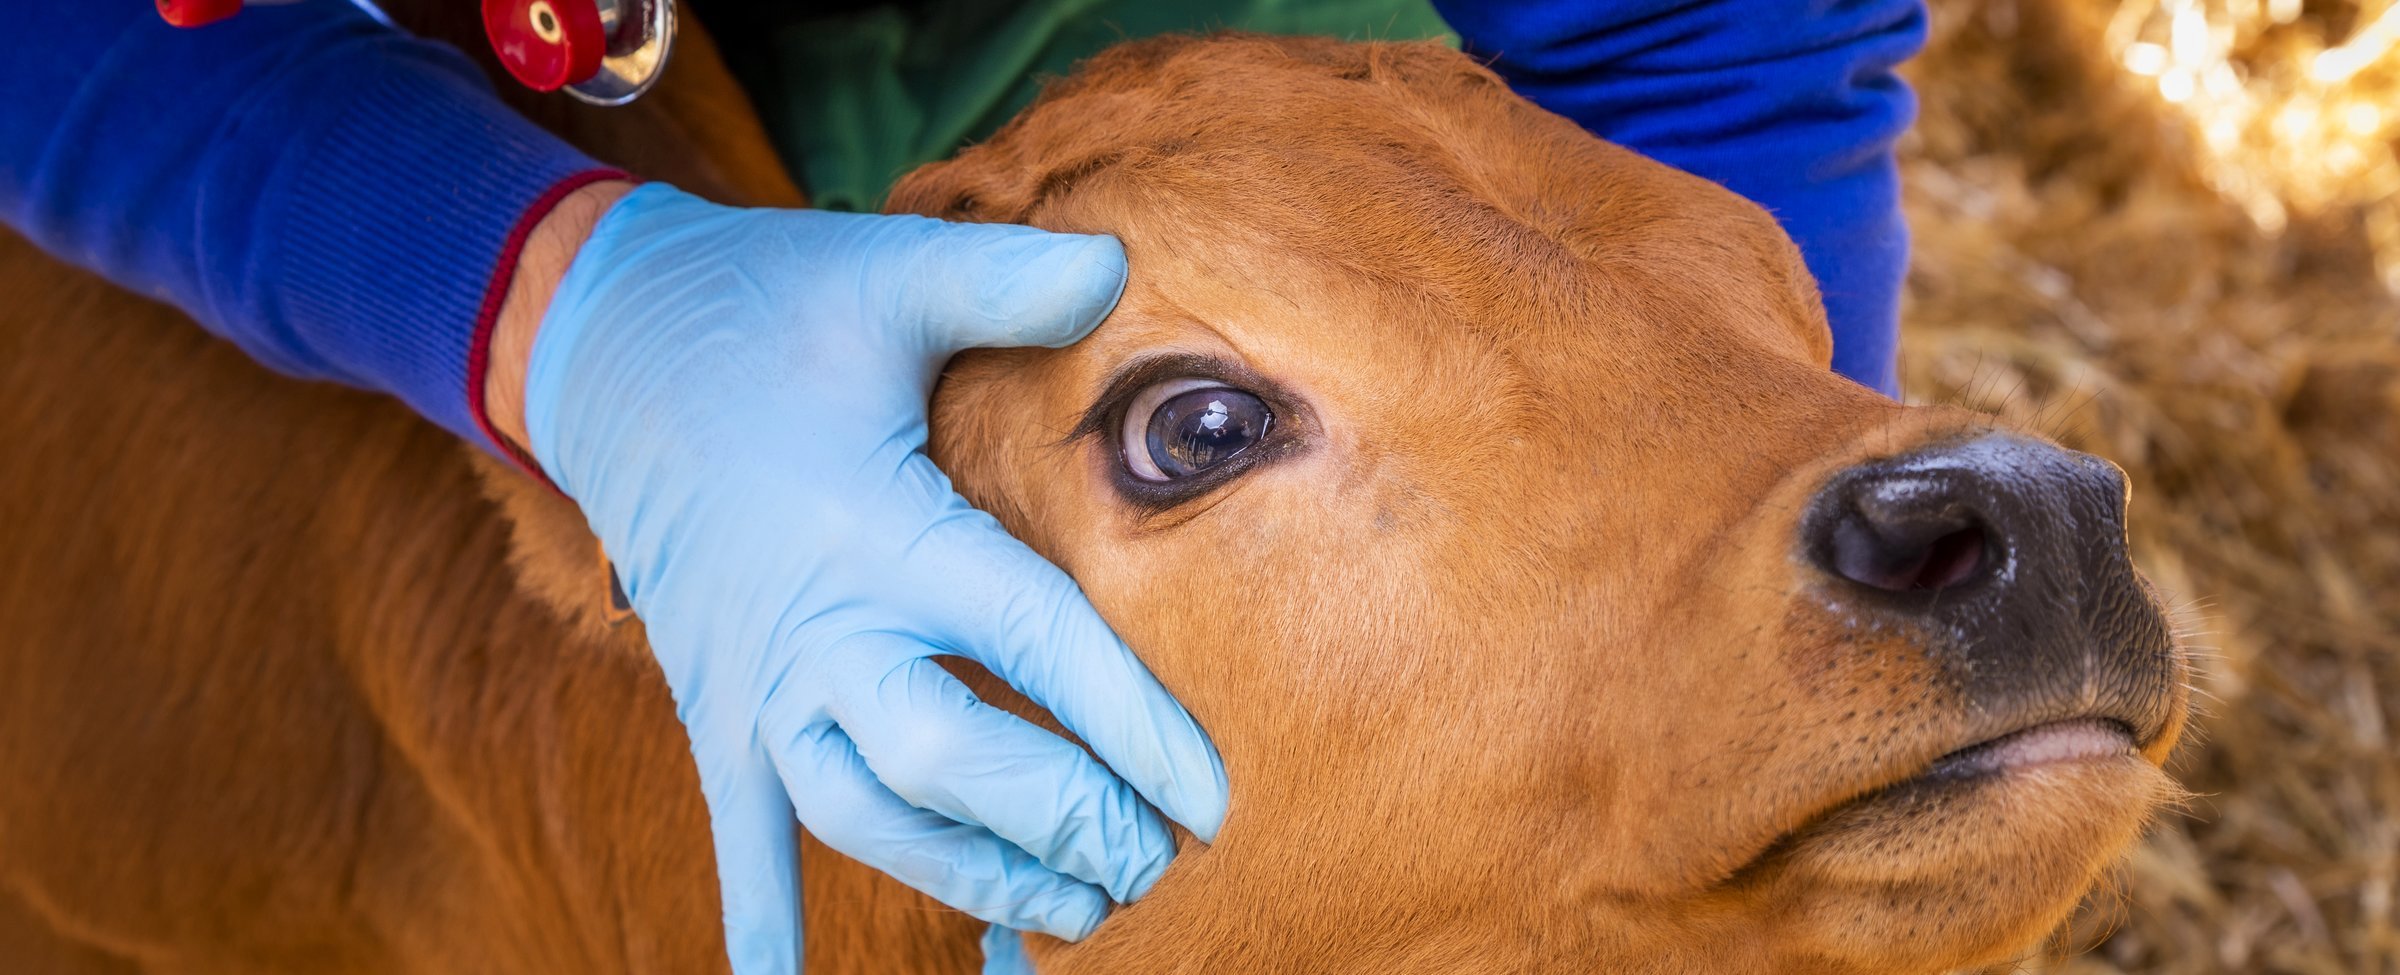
1792, 103
341, 200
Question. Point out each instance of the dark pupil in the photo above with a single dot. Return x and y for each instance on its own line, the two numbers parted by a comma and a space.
1200, 429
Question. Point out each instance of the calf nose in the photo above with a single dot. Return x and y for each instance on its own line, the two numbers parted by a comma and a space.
1988, 513
1978, 515
2008, 553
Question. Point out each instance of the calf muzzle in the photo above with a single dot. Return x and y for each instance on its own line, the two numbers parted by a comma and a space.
2009, 555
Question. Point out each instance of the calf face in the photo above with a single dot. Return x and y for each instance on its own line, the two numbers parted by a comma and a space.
1484, 491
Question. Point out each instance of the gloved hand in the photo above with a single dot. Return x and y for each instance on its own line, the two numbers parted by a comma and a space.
737, 400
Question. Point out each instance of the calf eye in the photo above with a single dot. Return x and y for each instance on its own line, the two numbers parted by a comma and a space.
1183, 427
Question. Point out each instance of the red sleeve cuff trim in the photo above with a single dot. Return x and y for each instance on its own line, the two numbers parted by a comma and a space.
504, 271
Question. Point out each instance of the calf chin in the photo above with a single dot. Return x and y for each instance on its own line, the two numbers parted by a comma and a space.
1877, 891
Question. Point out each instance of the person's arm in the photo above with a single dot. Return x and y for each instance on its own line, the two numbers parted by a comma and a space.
343, 201
736, 400
1793, 104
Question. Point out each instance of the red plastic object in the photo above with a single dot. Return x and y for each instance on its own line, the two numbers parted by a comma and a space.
198, 13
547, 44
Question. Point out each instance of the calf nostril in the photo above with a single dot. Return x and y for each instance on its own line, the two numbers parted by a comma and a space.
1953, 559
1909, 555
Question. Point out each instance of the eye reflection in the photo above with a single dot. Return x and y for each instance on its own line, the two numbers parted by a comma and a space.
1183, 427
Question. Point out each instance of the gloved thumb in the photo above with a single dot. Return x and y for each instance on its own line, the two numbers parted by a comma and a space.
992, 285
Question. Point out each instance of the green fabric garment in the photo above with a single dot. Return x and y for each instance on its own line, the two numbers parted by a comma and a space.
855, 100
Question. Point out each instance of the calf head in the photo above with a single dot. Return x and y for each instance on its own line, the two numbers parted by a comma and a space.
1483, 489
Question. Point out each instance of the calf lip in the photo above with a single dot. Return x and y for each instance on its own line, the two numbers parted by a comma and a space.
2027, 746
2047, 743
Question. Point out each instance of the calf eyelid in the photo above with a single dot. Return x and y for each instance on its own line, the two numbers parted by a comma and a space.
1142, 372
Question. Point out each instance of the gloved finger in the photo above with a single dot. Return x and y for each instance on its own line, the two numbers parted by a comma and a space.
758, 872
1004, 952
1007, 608
934, 744
970, 285
963, 866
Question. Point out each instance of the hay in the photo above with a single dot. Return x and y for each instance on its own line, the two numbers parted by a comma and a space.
2085, 264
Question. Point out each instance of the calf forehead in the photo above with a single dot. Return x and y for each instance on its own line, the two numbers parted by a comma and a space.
1411, 243
1402, 178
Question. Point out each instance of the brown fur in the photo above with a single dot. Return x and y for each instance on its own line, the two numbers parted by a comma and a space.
1507, 657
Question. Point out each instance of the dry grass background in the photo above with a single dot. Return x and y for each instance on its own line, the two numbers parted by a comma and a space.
2079, 267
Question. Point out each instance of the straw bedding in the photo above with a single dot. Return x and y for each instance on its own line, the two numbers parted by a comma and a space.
2077, 270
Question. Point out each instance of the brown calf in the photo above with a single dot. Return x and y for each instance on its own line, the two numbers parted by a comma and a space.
1571, 616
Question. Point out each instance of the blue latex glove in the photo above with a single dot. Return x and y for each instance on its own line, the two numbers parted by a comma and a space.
737, 400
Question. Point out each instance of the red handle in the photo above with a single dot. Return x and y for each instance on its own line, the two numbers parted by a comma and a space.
197, 13
547, 44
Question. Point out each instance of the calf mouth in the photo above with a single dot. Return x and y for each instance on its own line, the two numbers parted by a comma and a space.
2003, 809
2094, 742
2101, 738
2087, 745
1975, 851
2118, 719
